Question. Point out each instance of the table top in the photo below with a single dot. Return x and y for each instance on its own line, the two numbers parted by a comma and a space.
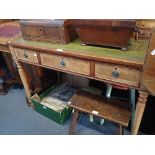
9, 30
135, 54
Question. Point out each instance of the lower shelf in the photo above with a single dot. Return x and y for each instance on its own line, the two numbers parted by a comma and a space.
111, 109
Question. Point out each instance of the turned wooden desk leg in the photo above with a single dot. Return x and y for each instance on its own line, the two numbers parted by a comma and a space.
25, 82
75, 117
21, 73
140, 107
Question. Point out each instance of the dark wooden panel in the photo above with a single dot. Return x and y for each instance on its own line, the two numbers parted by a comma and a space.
39, 78
113, 110
114, 33
53, 31
148, 79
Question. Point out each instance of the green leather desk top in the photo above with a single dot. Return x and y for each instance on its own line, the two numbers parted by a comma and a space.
135, 54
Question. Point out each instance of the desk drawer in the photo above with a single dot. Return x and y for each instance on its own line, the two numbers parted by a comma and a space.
26, 55
119, 74
66, 63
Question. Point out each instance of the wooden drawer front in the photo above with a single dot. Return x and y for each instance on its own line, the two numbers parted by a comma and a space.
119, 74
27, 55
66, 63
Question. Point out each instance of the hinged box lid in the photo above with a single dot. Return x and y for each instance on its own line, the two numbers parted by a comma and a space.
121, 23
46, 22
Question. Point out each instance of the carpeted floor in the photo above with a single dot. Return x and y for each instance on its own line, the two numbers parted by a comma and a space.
18, 119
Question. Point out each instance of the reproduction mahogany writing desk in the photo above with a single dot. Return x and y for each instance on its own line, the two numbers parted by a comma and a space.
123, 69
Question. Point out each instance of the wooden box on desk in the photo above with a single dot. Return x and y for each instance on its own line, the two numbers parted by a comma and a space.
113, 33
52, 31
146, 27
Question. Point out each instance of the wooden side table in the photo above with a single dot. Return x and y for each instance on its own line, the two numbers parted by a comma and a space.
116, 111
9, 30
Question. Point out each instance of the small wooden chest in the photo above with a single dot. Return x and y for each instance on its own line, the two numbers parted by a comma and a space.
52, 31
113, 33
146, 27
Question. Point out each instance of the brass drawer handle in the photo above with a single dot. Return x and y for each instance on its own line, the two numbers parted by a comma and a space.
25, 55
115, 73
62, 62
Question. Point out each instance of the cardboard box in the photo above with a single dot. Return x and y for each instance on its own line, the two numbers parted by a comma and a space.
53, 102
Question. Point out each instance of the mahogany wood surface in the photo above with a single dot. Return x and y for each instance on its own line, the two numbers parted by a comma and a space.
66, 63
125, 75
146, 27
9, 30
38, 77
53, 31
140, 107
110, 109
74, 121
114, 33
148, 78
